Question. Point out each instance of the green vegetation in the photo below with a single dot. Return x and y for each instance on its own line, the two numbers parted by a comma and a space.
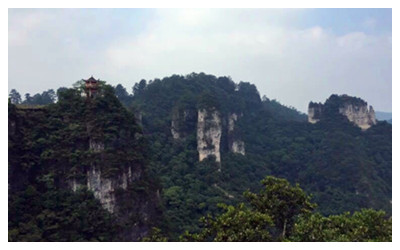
347, 171
281, 212
344, 168
49, 148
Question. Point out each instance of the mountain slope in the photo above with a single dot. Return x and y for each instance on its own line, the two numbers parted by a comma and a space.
342, 166
79, 158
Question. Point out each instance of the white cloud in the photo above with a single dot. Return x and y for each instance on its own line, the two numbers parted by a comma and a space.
294, 65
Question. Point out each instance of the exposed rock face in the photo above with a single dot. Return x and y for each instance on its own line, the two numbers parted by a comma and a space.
114, 193
314, 112
104, 188
96, 146
74, 184
360, 115
110, 161
175, 127
209, 130
355, 109
236, 145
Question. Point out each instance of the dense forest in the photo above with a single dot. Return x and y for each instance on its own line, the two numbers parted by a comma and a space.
328, 181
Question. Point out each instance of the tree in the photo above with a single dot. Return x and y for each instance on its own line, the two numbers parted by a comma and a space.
236, 224
15, 97
48, 97
155, 235
28, 99
364, 225
120, 91
271, 215
282, 201
122, 94
138, 88
60, 90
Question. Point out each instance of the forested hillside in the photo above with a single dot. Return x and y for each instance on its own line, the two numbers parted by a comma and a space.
197, 141
344, 168
66, 162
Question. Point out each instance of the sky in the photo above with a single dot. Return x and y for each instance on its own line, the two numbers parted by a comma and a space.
292, 55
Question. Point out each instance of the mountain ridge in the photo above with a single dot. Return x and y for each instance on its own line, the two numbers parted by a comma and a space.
345, 168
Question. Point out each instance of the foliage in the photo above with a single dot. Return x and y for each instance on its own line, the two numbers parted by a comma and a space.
238, 223
364, 225
15, 97
282, 212
282, 202
51, 146
345, 169
43, 213
47, 97
155, 236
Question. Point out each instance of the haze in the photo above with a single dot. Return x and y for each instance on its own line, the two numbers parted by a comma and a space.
292, 55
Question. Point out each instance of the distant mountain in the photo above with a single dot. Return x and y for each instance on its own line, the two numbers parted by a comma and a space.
355, 109
384, 116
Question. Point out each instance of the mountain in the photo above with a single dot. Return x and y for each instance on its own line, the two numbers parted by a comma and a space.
384, 116
101, 164
355, 109
211, 139
83, 159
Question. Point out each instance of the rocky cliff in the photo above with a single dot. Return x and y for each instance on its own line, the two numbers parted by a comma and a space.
105, 187
93, 145
314, 112
236, 145
210, 126
362, 116
122, 186
209, 131
355, 109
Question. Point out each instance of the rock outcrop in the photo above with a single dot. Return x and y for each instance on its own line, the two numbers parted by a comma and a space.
355, 109
314, 112
104, 187
103, 151
236, 145
209, 131
210, 126
363, 116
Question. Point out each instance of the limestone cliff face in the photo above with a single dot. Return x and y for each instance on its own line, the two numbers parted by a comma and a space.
115, 194
355, 109
175, 127
116, 185
360, 115
103, 187
314, 112
215, 132
236, 145
210, 126
209, 131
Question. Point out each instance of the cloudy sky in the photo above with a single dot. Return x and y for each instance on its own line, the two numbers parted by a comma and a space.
292, 55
